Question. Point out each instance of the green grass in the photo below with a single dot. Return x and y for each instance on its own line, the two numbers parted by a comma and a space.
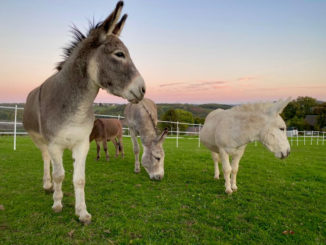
187, 207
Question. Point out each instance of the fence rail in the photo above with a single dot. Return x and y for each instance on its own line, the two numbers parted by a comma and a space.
295, 137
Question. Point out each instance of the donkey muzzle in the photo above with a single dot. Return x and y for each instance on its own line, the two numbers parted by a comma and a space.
157, 177
285, 155
136, 90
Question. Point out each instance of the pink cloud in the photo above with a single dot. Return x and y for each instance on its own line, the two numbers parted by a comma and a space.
203, 85
171, 84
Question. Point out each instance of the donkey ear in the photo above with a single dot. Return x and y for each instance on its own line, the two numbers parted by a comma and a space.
280, 105
161, 138
108, 25
119, 26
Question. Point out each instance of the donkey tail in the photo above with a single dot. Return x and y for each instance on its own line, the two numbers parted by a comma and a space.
120, 147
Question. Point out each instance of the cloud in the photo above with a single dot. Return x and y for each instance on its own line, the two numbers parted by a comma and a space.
206, 85
171, 84
203, 85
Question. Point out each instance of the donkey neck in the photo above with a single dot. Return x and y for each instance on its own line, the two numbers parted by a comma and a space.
79, 90
250, 127
147, 135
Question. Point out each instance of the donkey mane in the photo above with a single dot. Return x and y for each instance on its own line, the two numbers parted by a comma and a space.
78, 37
151, 117
253, 107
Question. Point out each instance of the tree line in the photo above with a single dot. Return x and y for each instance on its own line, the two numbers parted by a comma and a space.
303, 113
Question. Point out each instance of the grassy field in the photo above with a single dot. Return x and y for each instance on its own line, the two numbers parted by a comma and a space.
187, 207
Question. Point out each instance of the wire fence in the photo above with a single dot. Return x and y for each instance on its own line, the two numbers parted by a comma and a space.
13, 126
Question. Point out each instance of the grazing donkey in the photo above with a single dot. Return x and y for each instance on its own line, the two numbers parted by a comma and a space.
142, 120
227, 132
58, 114
107, 130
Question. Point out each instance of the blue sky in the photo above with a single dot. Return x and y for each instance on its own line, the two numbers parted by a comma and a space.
187, 51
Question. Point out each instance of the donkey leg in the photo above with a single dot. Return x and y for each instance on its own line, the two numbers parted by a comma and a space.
216, 158
136, 150
41, 144
47, 182
79, 153
98, 149
116, 145
58, 174
105, 147
235, 167
226, 170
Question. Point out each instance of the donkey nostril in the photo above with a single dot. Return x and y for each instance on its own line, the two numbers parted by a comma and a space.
282, 155
157, 177
143, 90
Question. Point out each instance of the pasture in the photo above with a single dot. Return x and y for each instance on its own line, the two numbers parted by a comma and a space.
278, 201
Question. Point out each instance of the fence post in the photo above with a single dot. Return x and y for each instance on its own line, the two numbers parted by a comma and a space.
297, 138
199, 135
15, 128
312, 135
177, 134
119, 117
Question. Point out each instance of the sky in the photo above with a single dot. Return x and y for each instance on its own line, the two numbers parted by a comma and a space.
188, 51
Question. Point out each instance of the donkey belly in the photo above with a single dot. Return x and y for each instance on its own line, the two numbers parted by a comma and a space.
207, 137
72, 134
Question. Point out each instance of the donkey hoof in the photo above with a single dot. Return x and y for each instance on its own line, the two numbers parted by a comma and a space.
97, 158
57, 208
137, 170
48, 187
85, 218
228, 191
234, 188
49, 190
216, 177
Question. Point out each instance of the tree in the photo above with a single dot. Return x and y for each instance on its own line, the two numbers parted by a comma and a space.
170, 116
177, 115
298, 123
296, 111
199, 120
321, 119
305, 106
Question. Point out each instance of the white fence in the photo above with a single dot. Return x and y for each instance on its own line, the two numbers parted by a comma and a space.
174, 134
14, 127
14, 124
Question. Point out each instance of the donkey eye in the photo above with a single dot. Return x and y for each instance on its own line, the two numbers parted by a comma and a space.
119, 54
282, 129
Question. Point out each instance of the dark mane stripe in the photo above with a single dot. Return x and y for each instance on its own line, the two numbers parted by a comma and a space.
78, 37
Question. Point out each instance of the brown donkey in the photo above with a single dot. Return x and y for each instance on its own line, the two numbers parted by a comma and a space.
58, 114
107, 130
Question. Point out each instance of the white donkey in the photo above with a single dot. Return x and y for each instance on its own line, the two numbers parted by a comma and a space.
227, 133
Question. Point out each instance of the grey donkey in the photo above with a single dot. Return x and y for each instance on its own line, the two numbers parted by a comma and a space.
58, 114
142, 120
